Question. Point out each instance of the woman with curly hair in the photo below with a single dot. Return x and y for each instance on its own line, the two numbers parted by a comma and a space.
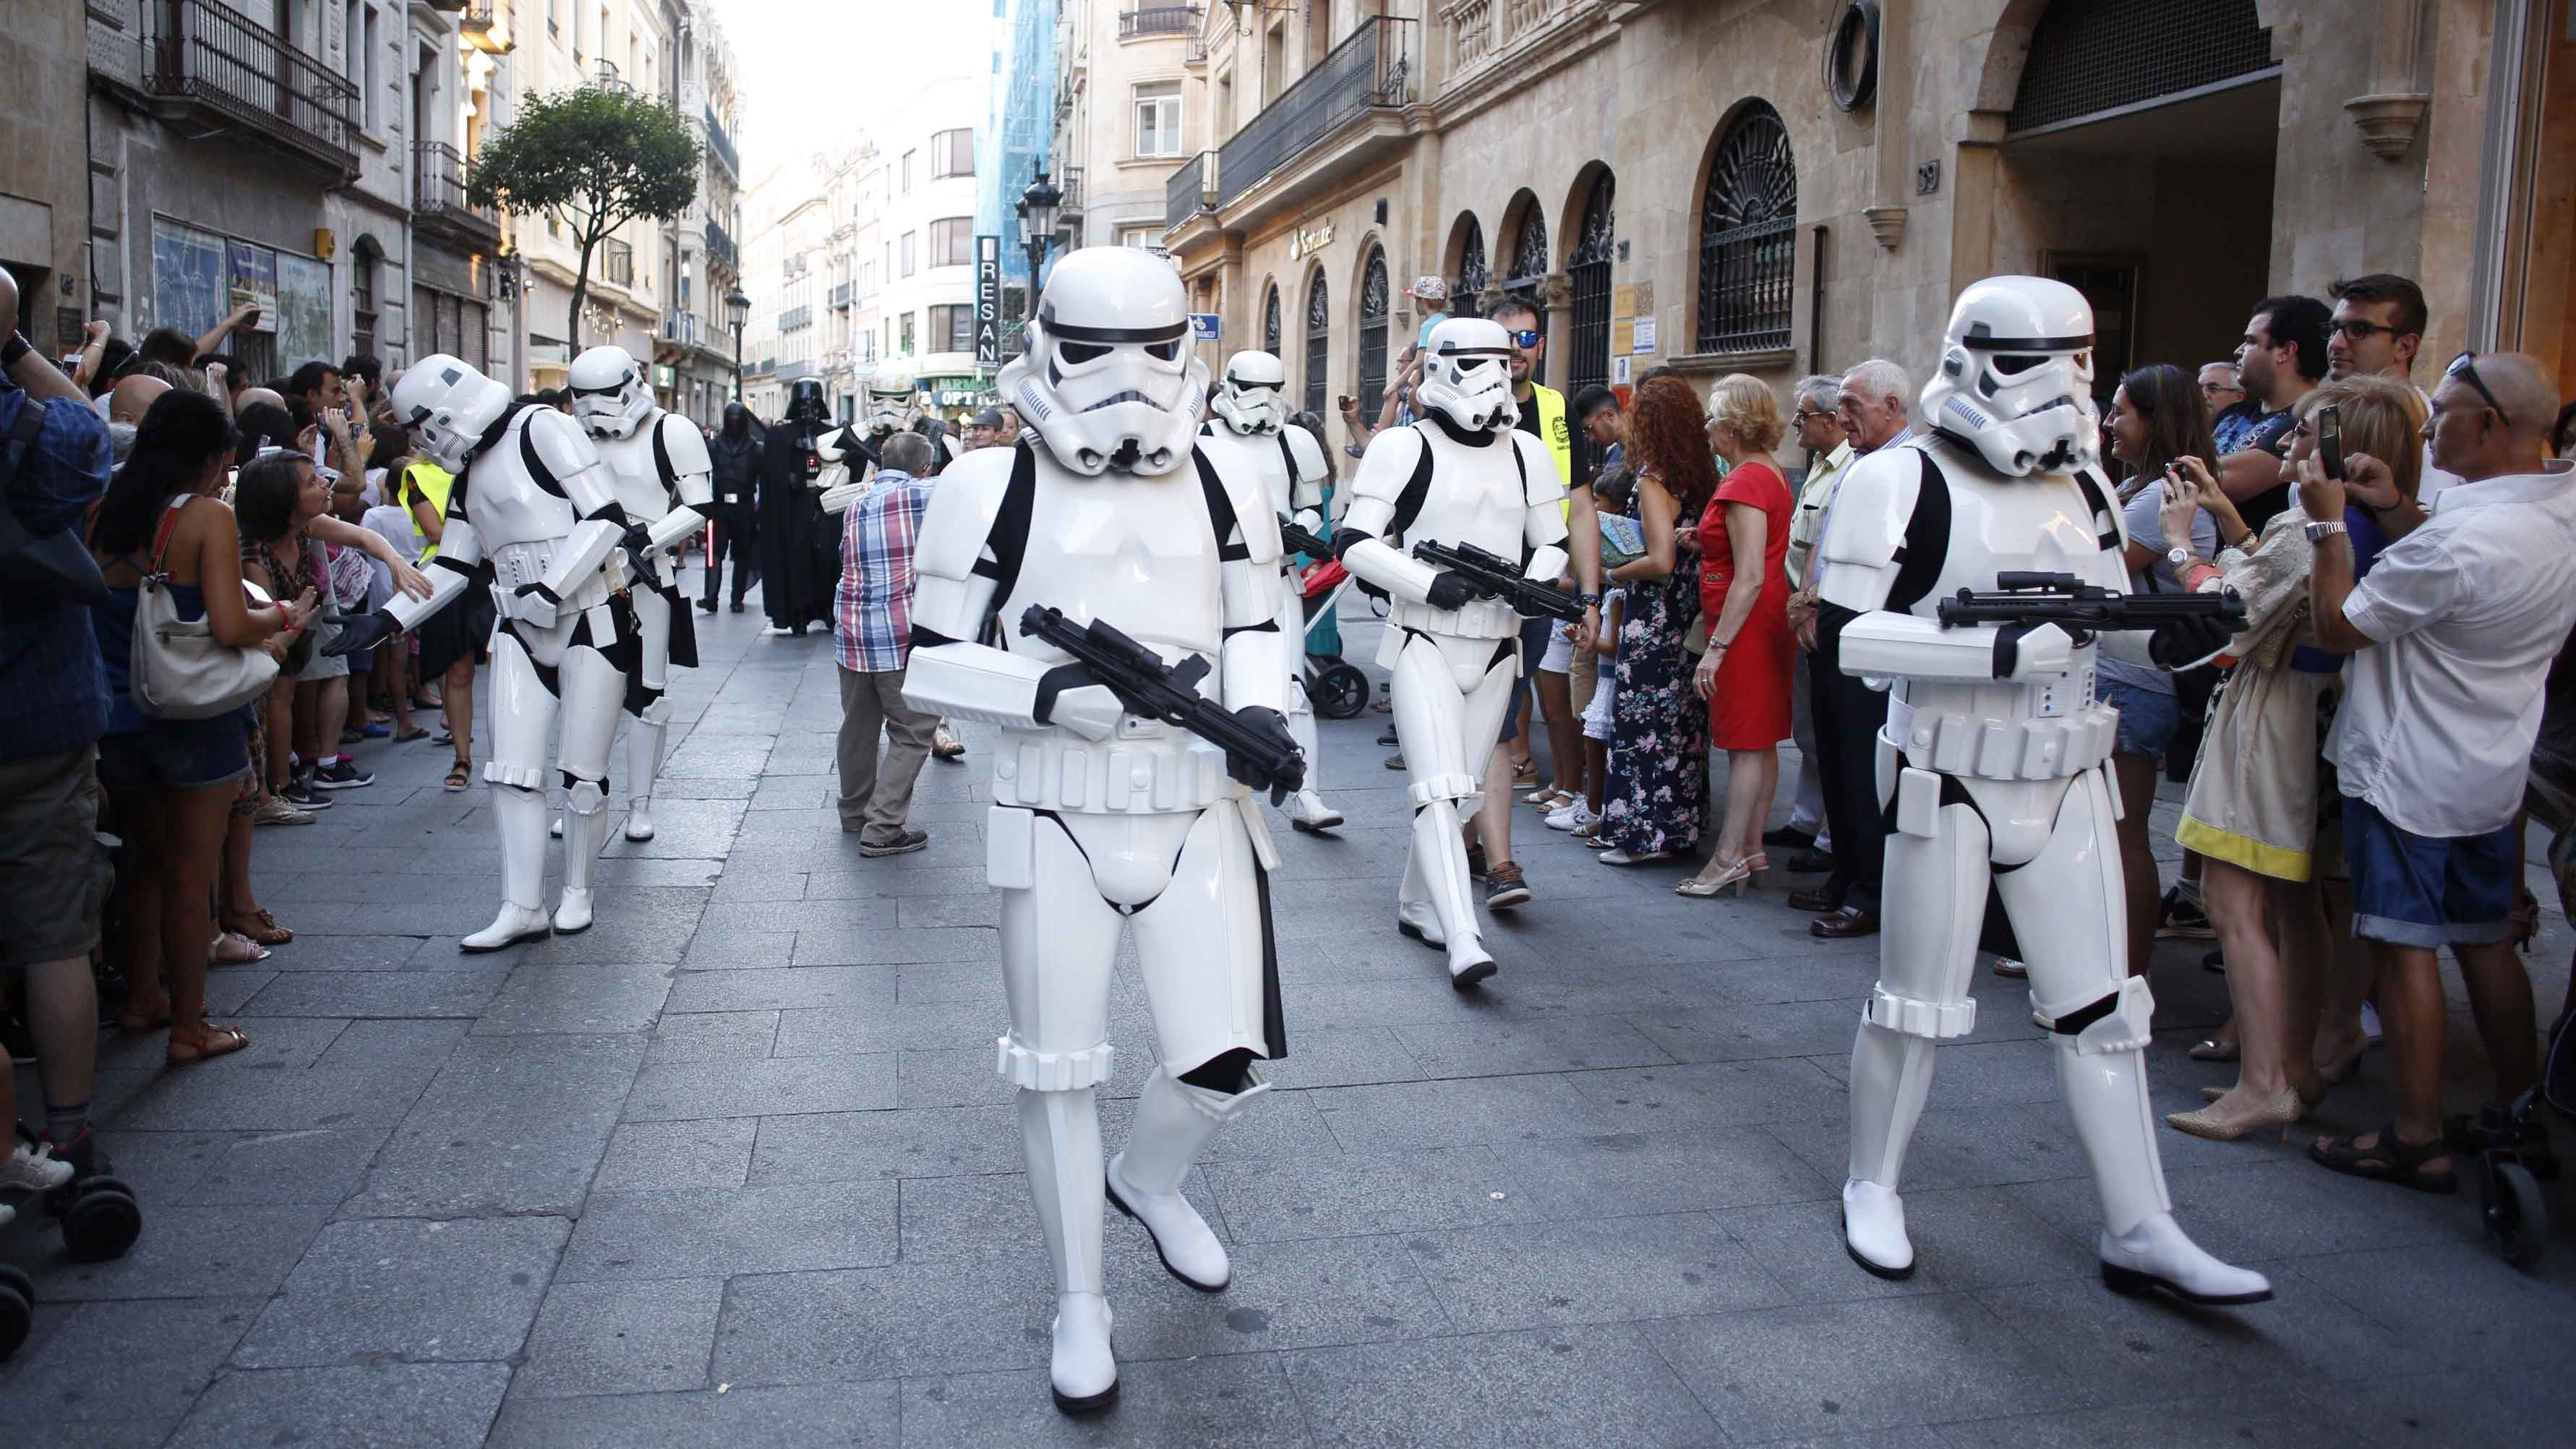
1744, 595
1658, 795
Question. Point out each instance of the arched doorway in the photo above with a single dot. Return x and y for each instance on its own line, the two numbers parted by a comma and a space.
1473, 275
1374, 305
1587, 268
1748, 237
1270, 321
1319, 341
1530, 260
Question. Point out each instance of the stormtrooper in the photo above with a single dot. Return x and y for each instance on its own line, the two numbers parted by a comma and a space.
894, 405
663, 478
1462, 475
539, 508
1263, 464
1105, 819
1993, 766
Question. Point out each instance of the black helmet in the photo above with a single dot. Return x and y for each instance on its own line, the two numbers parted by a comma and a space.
805, 401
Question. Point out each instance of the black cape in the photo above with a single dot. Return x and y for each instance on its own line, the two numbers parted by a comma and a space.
800, 551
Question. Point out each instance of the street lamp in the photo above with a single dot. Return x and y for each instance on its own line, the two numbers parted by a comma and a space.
1038, 207
737, 308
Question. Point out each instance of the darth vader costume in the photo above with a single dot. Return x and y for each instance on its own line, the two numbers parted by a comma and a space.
800, 550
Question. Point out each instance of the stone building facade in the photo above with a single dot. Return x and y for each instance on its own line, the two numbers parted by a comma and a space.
1786, 186
1121, 70
44, 174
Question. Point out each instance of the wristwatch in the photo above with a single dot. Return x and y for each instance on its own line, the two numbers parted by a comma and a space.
16, 347
2321, 530
1589, 600
2179, 556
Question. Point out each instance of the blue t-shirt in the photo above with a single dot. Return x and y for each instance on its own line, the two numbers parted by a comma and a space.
2368, 538
53, 691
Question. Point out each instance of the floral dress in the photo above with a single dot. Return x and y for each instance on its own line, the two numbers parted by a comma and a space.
1657, 797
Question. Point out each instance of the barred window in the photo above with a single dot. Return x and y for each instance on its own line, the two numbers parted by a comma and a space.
1748, 237
1473, 275
1319, 341
1270, 322
1373, 320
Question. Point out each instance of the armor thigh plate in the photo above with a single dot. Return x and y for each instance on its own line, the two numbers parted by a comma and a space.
1147, 768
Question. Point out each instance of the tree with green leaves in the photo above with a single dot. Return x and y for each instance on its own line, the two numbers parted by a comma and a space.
594, 158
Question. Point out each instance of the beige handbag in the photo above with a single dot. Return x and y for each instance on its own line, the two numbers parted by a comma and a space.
178, 668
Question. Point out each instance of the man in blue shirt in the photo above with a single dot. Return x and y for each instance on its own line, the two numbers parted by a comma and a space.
53, 708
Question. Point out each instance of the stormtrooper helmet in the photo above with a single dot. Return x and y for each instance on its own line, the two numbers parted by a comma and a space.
1108, 380
2016, 376
1252, 397
449, 407
609, 395
894, 397
805, 401
1467, 374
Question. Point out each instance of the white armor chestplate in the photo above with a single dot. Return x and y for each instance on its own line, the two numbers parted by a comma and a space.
2043, 730
1140, 552
1476, 496
520, 525
638, 479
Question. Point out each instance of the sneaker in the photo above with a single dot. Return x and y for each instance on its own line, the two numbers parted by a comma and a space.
904, 844
341, 774
2010, 969
1504, 887
303, 795
2183, 917
33, 1169
1387, 738
944, 744
274, 811
1577, 816
1395, 762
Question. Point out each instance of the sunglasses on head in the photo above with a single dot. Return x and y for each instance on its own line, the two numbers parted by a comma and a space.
2465, 368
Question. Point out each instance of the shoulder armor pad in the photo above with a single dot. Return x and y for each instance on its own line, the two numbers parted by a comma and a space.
959, 520
558, 441
1872, 505
685, 446
1309, 456
1388, 465
1542, 484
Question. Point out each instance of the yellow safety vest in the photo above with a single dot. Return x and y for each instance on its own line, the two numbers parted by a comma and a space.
1552, 431
427, 480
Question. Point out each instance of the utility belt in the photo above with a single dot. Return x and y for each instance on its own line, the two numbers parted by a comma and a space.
1147, 768
1988, 748
1475, 619
514, 564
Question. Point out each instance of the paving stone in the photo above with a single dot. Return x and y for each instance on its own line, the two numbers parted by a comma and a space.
1575, 1387
1349, 1194
380, 993
899, 1321
409, 1289
416, 1049
511, 1124
2255, 1417
1604, 1270
779, 988
2456, 1304
198, 1251
1453, 1113
881, 945
1546, 1044
1283, 1296
203, 1101
708, 1153
1703, 1094
1625, 1173
784, 1228
728, 950
120, 1366
1849, 1367
1747, 1032
380, 1406
1234, 1401
551, 996
338, 953
620, 1338
851, 1146
763, 1088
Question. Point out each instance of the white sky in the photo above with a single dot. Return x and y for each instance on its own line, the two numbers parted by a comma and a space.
812, 72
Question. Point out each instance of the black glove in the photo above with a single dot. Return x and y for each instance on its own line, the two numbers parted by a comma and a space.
2180, 642
638, 544
1449, 591
365, 631
1259, 774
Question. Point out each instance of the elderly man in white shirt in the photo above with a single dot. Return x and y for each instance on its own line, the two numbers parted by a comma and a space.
2452, 637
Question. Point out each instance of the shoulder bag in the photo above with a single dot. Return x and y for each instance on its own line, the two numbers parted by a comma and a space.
179, 669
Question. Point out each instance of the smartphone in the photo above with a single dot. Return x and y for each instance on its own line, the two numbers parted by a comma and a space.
1347, 400
2330, 440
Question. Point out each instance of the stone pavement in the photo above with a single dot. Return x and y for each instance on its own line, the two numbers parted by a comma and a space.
733, 1168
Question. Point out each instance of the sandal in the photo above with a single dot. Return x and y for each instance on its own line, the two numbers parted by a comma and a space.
1524, 770
2390, 1161
232, 948
409, 735
458, 777
137, 1022
211, 1041
267, 932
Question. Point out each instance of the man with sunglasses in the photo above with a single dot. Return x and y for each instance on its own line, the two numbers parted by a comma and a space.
2378, 324
2452, 636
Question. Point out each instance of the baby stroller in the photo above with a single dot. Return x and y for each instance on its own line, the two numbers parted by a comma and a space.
1336, 690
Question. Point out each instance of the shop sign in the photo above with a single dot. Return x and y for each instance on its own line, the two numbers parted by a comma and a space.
1309, 240
988, 301
1206, 327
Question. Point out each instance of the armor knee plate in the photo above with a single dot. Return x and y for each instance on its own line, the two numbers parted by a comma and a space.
584, 797
1037, 1071
657, 712
1913, 1016
2119, 1022
1443, 787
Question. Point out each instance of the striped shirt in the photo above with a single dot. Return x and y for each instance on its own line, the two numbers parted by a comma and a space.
872, 605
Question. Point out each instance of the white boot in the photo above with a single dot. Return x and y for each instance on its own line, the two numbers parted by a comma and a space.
2157, 1254
585, 830
573, 912
1307, 812
1417, 920
639, 819
1441, 862
1173, 1121
1874, 1230
644, 738
519, 819
1083, 1372
514, 924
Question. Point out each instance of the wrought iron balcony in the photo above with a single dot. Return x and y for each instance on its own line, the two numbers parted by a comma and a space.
795, 317
1371, 70
438, 180
680, 327
1158, 20
486, 30
203, 57
790, 371
1070, 183
720, 146
841, 297
720, 248
1190, 190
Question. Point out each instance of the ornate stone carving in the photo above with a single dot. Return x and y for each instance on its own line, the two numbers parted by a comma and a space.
2388, 122
1887, 223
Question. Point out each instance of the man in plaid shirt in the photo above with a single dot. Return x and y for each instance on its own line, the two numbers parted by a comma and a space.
872, 634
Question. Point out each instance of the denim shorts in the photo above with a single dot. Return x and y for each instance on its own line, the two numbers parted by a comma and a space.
177, 754
2426, 890
2147, 719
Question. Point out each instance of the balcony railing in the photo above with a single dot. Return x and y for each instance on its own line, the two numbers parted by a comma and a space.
720, 146
617, 263
1158, 20
1191, 190
721, 248
438, 179
685, 328
1371, 70
795, 317
1070, 183
841, 297
790, 371
204, 52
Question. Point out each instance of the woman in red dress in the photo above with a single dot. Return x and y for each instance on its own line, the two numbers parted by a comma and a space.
1744, 596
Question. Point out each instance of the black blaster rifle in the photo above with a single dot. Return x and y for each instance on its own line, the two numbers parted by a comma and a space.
2083, 610
1168, 692
1494, 577
1298, 540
